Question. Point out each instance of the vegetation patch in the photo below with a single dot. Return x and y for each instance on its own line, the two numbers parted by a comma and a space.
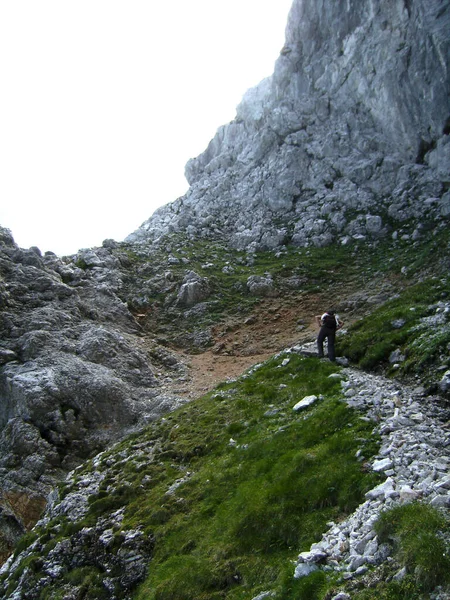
234, 485
415, 324
258, 483
419, 537
295, 272
228, 489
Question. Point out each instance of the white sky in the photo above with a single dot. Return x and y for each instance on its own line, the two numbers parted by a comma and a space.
103, 102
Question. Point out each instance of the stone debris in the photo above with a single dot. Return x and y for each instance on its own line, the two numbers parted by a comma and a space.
75, 373
414, 456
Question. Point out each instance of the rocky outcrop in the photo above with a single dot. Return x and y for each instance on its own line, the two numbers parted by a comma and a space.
193, 290
348, 139
74, 372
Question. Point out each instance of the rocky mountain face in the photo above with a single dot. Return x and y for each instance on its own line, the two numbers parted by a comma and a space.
347, 139
74, 372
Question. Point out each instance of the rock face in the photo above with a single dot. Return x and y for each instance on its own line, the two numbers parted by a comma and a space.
347, 139
74, 373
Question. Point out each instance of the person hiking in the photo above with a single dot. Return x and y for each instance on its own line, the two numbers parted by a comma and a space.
329, 323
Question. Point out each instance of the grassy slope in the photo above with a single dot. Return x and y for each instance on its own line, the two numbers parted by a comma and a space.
413, 323
234, 526
245, 510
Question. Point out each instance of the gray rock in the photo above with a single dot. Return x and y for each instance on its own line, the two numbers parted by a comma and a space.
400, 575
260, 286
441, 501
264, 596
444, 383
304, 569
7, 356
74, 374
305, 402
353, 120
444, 205
382, 465
396, 357
398, 323
194, 289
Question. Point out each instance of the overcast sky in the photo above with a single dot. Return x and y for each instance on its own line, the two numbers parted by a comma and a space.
103, 102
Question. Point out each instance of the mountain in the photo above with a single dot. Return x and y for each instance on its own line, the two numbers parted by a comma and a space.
330, 188
349, 137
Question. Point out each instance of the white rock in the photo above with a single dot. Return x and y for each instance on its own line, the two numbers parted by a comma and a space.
400, 575
307, 401
304, 569
445, 483
382, 465
380, 491
441, 501
407, 494
315, 555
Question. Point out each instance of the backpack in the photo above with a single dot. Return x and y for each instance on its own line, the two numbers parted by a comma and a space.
329, 321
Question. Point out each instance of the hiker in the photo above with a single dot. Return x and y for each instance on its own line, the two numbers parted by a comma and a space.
329, 323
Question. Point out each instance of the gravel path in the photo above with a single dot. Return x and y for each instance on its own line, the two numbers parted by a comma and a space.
414, 458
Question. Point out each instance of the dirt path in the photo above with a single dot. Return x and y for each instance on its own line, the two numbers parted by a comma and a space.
242, 342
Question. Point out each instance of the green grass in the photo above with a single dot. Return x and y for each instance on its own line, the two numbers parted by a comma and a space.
320, 270
233, 527
415, 532
244, 509
371, 340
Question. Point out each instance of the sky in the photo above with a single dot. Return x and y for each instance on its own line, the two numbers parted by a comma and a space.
103, 102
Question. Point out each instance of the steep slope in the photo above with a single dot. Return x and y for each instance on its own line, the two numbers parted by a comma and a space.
348, 138
90, 527
217, 500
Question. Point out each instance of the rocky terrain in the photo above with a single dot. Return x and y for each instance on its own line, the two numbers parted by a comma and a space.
331, 187
75, 373
348, 137
414, 459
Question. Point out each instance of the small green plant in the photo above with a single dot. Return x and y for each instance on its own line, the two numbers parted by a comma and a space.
89, 582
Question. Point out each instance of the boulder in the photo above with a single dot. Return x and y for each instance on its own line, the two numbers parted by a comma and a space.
260, 286
194, 289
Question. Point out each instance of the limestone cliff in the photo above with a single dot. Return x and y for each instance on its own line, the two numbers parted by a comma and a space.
348, 138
